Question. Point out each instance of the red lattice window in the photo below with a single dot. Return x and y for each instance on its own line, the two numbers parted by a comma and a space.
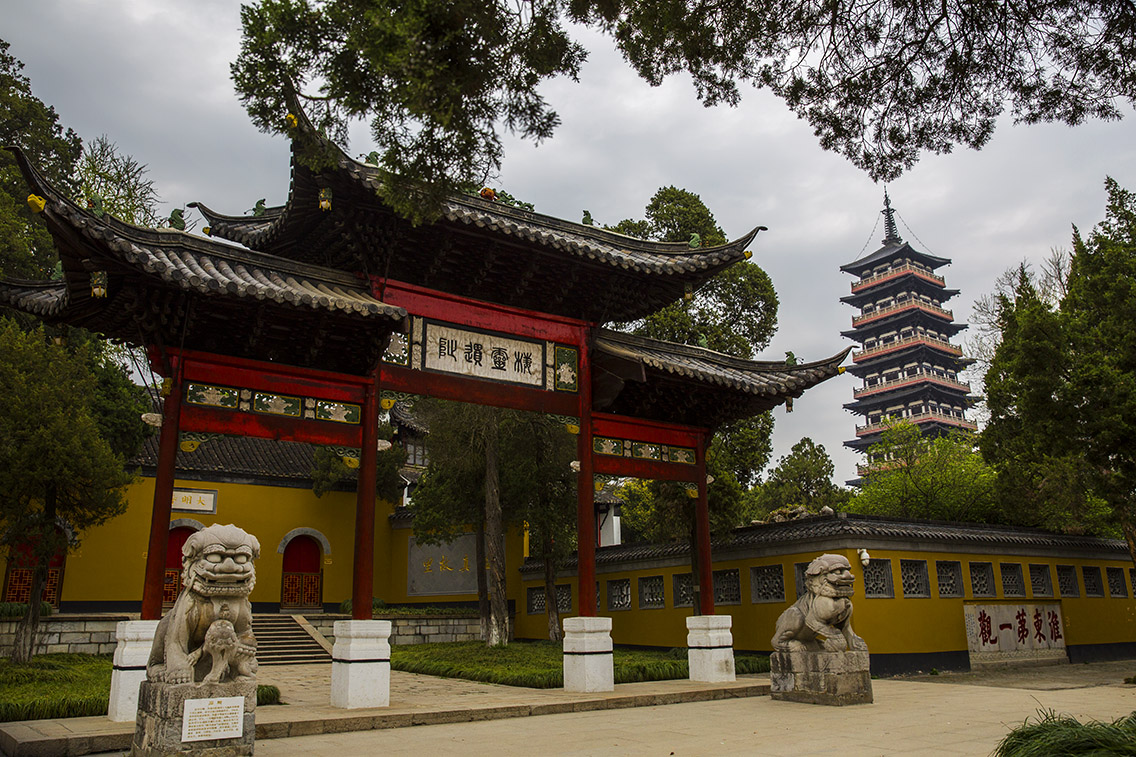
171, 586
293, 589
19, 586
313, 597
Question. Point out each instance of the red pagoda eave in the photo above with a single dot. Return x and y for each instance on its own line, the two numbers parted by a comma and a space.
903, 344
862, 284
876, 428
894, 385
861, 320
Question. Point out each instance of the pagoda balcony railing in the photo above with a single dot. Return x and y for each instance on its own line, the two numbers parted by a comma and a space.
858, 320
892, 273
883, 349
929, 416
869, 468
912, 377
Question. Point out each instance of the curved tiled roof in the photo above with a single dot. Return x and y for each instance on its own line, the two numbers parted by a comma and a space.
239, 456
855, 529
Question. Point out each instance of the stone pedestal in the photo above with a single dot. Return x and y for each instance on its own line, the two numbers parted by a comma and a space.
710, 648
835, 678
587, 655
162, 724
134, 640
360, 667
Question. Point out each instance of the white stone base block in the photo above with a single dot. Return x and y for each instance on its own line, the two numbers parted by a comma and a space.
587, 655
710, 648
135, 637
360, 664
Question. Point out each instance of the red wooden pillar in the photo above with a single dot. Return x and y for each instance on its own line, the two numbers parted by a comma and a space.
363, 578
702, 528
163, 498
586, 495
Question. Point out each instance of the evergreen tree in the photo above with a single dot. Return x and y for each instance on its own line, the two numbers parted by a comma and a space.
803, 477
59, 475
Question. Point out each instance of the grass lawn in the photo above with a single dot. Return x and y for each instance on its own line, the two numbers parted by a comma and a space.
67, 686
540, 664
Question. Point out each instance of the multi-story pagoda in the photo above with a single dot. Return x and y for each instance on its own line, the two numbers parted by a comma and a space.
907, 362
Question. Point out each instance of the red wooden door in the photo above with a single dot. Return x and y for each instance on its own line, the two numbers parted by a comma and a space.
302, 587
171, 586
18, 578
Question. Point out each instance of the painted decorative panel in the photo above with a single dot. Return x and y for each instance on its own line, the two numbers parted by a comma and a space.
212, 396
567, 369
603, 445
398, 352
276, 404
338, 412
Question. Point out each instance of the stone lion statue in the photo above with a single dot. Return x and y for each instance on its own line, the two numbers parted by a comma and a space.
207, 634
821, 620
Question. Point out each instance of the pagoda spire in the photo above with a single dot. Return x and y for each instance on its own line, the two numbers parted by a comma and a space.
891, 233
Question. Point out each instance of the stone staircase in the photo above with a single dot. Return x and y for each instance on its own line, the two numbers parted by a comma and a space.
288, 640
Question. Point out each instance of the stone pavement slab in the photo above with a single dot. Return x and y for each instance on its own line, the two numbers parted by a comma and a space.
908, 718
415, 700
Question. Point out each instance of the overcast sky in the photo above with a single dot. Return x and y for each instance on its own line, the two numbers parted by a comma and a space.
154, 77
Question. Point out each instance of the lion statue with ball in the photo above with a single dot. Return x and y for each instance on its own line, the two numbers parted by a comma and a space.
207, 635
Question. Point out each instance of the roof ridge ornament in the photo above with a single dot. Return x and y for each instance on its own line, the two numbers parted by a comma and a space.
891, 233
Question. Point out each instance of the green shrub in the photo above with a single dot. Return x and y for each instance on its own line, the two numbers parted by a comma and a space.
267, 694
19, 609
376, 603
1053, 734
540, 664
54, 686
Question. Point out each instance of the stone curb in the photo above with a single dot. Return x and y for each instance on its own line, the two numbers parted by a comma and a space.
97, 734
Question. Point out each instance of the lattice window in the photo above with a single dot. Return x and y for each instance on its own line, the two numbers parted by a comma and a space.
651, 595
1094, 586
949, 574
982, 579
564, 597
293, 585
767, 583
799, 577
913, 576
1132, 578
877, 579
171, 586
534, 599
1013, 585
683, 590
1067, 581
1041, 582
727, 587
619, 594
19, 585
1116, 587
312, 596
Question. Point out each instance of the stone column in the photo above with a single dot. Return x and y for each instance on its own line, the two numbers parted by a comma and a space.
135, 637
710, 648
587, 654
360, 664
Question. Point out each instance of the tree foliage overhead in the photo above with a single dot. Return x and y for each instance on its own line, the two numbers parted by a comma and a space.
880, 81
111, 181
26, 249
1061, 388
917, 476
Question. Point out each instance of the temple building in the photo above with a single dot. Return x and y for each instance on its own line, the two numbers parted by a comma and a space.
907, 362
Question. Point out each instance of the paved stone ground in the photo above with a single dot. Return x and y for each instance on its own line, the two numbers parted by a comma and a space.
934, 715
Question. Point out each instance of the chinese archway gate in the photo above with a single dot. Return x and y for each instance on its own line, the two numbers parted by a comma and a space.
333, 302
